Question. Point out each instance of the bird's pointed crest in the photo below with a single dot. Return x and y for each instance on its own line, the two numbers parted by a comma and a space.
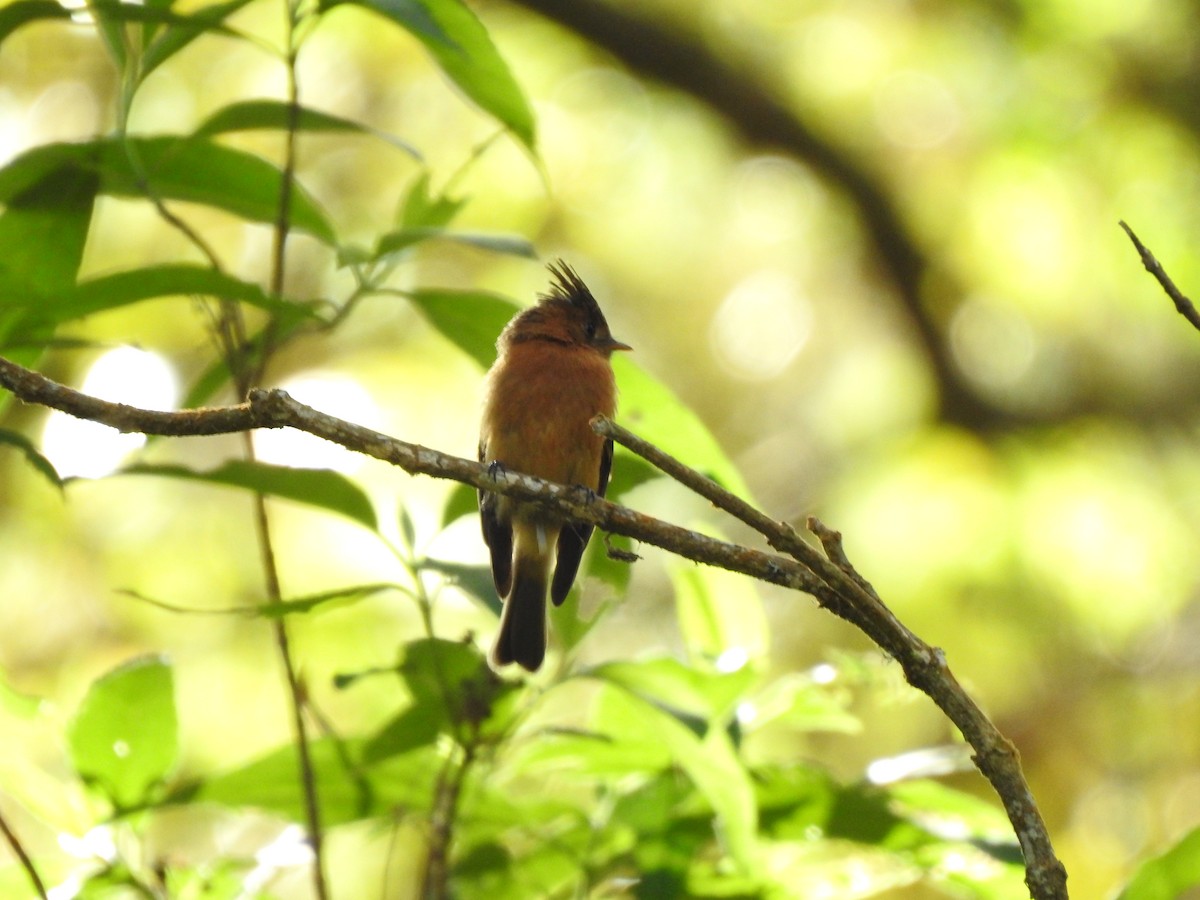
569, 287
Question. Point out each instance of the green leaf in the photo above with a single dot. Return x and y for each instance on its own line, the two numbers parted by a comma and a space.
257, 115
423, 210
165, 43
43, 232
320, 488
718, 611
174, 279
32, 455
712, 696
463, 49
124, 737
474, 580
22, 12
652, 410
412, 15
463, 501
629, 471
470, 319
709, 761
23, 706
188, 169
166, 30
453, 692
798, 702
338, 597
347, 790
1170, 875
398, 241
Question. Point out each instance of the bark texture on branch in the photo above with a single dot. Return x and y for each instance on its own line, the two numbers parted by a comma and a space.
826, 574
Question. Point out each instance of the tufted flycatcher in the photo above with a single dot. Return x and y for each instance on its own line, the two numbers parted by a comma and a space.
551, 376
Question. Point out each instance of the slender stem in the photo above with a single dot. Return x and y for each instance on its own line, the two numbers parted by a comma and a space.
247, 375
1183, 305
23, 857
436, 884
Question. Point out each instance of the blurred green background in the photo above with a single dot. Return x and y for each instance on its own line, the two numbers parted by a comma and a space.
873, 245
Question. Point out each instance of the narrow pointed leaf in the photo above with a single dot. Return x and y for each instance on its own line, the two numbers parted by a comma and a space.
167, 42
462, 47
121, 288
43, 232
32, 456
259, 115
192, 170
402, 238
320, 488
471, 319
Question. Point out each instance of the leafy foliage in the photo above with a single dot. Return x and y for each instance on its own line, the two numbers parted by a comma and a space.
660, 772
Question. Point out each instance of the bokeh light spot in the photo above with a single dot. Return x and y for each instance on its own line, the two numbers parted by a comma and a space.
761, 326
126, 375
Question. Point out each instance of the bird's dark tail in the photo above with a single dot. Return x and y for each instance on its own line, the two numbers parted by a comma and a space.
522, 636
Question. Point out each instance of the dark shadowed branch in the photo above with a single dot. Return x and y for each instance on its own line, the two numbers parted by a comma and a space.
825, 574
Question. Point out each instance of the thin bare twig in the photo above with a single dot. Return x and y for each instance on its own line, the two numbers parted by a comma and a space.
924, 666
23, 857
1186, 308
247, 373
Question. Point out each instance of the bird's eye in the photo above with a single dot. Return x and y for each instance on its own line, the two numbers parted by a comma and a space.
590, 329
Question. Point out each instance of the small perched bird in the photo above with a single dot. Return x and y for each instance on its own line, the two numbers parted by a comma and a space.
551, 376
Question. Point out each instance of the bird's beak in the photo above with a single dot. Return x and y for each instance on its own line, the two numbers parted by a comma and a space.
611, 343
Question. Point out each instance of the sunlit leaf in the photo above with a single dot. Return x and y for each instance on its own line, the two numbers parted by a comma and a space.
421, 209
709, 761
1170, 875
120, 288
338, 598
189, 169
668, 682
21, 705
256, 115
718, 611
321, 488
403, 238
346, 790
168, 41
166, 30
797, 702
124, 737
461, 45
651, 410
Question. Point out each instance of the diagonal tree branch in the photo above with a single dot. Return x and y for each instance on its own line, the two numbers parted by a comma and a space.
829, 577
924, 666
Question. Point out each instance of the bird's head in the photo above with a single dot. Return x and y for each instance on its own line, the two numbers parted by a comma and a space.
568, 314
